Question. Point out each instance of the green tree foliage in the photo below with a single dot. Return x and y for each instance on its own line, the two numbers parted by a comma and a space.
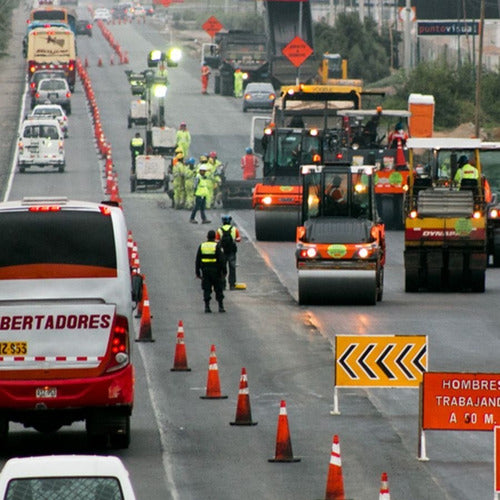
367, 52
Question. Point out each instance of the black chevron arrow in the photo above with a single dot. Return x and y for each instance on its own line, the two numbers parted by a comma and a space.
400, 359
343, 361
381, 364
418, 357
362, 363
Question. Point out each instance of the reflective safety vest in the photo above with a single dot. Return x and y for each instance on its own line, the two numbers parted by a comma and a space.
202, 189
208, 250
137, 142
467, 171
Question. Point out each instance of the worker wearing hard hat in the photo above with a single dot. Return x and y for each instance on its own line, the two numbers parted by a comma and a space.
249, 164
466, 170
201, 188
178, 172
183, 138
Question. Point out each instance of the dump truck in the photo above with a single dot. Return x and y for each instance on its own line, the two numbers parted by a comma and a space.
445, 220
340, 252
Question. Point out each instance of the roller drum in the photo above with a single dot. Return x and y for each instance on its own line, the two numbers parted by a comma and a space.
276, 225
337, 286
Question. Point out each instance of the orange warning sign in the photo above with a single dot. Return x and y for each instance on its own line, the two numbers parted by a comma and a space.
460, 401
212, 26
297, 51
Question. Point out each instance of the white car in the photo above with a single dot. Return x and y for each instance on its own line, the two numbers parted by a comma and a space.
66, 477
102, 14
51, 111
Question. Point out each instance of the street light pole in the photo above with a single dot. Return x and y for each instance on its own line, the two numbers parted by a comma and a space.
479, 71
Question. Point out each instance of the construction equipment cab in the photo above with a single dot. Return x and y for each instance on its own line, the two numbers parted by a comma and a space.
340, 253
445, 216
66, 318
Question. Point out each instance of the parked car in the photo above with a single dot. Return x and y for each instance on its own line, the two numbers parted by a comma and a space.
51, 111
102, 14
258, 95
53, 91
83, 22
66, 477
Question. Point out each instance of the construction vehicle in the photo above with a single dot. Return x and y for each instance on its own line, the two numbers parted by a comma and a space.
390, 157
445, 223
340, 253
150, 172
234, 49
138, 113
490, 165
304, 123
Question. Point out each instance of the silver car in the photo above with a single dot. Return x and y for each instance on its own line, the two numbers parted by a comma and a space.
52, 111
53, 91
258, 95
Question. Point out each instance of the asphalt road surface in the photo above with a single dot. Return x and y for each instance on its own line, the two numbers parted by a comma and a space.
183, 446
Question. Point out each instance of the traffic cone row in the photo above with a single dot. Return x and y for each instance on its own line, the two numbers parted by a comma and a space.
114, 44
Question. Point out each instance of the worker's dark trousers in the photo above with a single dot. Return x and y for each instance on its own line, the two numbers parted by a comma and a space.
211, 279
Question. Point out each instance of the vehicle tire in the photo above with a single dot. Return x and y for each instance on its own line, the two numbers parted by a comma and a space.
129, 123
227, 85
4, 431
244, 109
496, 248
121, 440
68, 109
388, 215
47, 427
477, 281
217, 85
411, 281
380, 284
61, 168
33, 103
133, 184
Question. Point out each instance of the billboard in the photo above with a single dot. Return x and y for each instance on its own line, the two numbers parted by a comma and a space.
453, 10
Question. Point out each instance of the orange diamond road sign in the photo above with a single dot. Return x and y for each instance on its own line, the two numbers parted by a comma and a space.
297, 51
212, 26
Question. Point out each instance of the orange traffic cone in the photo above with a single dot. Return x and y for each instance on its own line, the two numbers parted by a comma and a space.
145, 334
400, 155
283, 443
86, 63
243, 412
180, 359
213, 383
99, 61
335, 481
384, 488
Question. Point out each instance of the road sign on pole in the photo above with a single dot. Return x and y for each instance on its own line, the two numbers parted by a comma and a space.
297, 51
212, 26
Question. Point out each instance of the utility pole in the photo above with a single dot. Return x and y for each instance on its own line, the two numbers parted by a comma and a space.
407, 35
479, 72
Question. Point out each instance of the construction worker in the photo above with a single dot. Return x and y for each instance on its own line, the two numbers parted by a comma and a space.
178, 173
205, 75
189, 175
466, 170
228, 235
136, 148
201, 188
238, 82
183, 138
203, 161
213, 177
249, 164
370, 131
209, 268
398, 134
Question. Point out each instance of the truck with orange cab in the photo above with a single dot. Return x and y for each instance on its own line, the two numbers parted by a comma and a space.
340, 252
445, 217
66, 318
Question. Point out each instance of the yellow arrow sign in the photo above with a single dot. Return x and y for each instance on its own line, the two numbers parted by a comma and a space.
380, 360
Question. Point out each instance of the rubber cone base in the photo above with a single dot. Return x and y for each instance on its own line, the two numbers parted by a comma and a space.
213, 397
243, 423
180, 369
288, 460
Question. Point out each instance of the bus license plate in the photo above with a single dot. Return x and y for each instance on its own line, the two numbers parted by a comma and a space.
46, 392
13, 348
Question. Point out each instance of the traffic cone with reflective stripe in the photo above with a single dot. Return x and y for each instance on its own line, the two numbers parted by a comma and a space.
99, 61
283, 443
180, 358
384, 488
145, 334
335, 481
243, 412
213, 383
400, 155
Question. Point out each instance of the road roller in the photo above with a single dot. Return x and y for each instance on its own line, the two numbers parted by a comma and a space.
340, 252
445, 216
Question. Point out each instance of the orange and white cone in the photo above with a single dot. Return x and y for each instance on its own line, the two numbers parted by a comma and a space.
243, 412
400, 155
384, 488
213, 382
283, 442
335, 480
180, 358
145, 334
99, 62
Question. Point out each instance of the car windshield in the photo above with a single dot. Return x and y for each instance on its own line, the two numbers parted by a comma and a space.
252, 87
45, 131
52, 84
47, 112
65, 488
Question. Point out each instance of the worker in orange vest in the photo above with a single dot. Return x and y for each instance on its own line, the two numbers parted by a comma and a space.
249, 164
205, 74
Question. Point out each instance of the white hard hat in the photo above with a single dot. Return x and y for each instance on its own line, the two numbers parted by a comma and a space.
203, 167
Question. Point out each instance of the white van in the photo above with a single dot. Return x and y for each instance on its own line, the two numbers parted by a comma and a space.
66, 318
41, 143
66, 477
